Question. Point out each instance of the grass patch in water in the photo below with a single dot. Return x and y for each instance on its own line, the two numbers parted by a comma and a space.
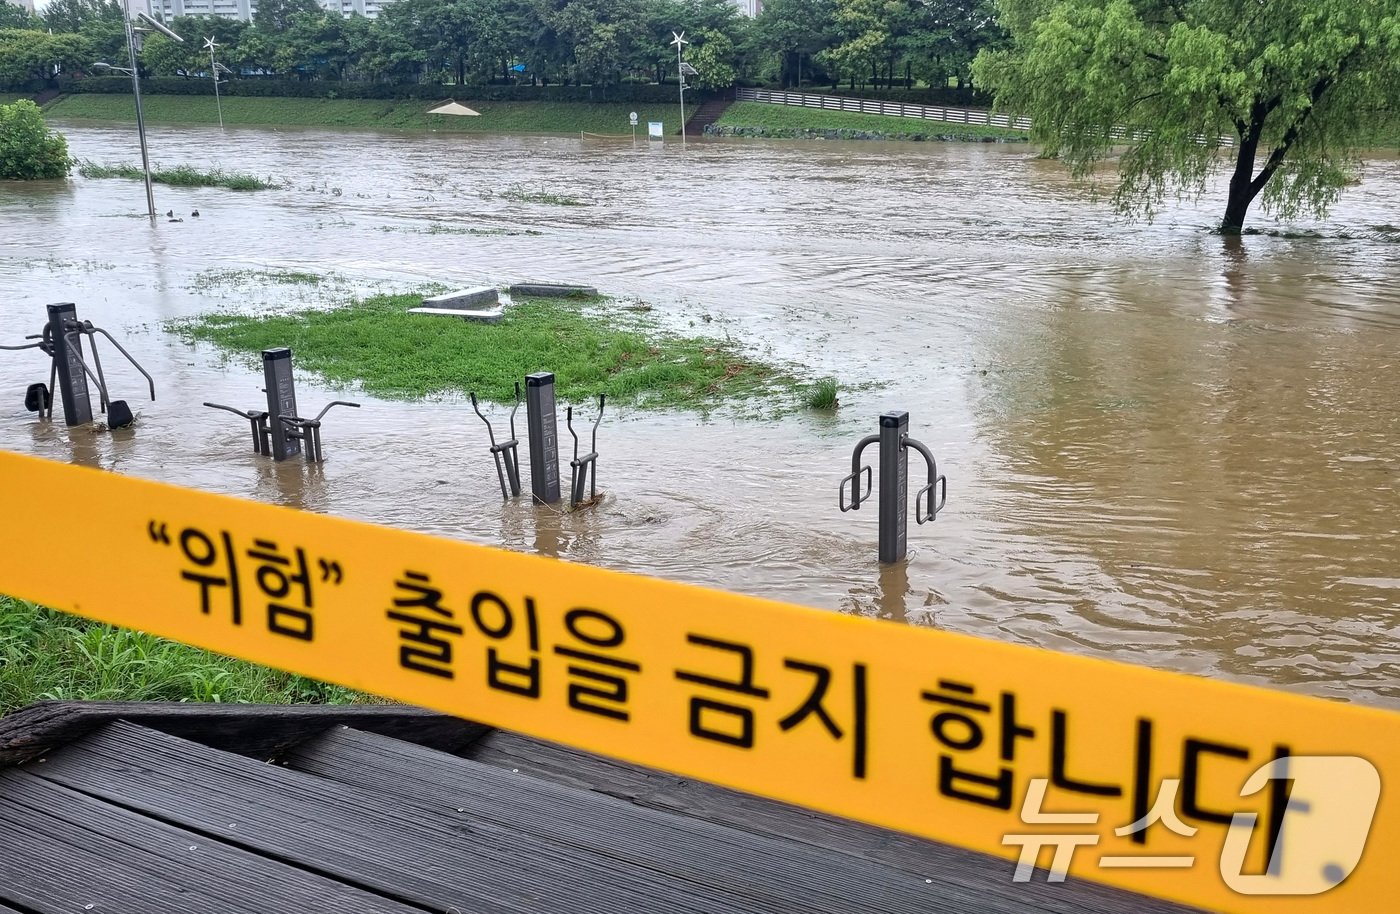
213, 279
440, 228
822, 394
179, 176
521, 194
48, 655
593, 346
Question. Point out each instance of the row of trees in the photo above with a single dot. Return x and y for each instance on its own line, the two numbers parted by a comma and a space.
594, 42
1280, 94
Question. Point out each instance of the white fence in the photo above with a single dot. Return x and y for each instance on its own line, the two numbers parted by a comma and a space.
891, 109
925, 112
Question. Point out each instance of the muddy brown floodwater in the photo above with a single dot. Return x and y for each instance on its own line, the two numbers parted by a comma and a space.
1162, 446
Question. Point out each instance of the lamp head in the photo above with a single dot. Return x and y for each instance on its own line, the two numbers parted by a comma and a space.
159, 27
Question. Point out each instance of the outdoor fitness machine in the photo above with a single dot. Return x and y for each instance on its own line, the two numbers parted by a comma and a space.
894, 442
506, 455
542, 423
584, 470
279, 432
61, 341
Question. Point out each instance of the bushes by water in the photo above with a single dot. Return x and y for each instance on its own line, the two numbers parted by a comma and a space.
29, 150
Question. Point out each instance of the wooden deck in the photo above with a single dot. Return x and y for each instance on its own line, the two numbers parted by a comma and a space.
127, 817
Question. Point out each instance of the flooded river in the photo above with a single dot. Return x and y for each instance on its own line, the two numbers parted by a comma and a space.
1162, 446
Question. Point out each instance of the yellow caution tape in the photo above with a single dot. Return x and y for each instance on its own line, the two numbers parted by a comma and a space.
1213, 794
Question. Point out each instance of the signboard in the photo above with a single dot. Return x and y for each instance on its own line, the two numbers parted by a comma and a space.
654, 130
1223, 796
632, 118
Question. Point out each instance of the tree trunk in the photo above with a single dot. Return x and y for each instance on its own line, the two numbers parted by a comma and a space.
1243, 188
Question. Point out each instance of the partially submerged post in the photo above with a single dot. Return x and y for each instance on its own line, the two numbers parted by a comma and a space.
281, 400
544, 436
894, 440
68, 364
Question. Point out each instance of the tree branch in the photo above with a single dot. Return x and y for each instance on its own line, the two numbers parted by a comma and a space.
1295, 129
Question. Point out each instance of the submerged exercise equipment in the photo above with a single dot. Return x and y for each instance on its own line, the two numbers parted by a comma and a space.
542, 425
61, 341
506, 454
278, 432
894, 442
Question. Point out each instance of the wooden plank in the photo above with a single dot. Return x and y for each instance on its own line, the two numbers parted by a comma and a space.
440, 860
925, 859
256, 730
66, 852
779, 875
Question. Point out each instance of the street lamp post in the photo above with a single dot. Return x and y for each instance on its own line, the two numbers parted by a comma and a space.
135, 72
680, 42
211, 44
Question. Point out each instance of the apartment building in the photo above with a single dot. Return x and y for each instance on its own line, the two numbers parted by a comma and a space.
244, 9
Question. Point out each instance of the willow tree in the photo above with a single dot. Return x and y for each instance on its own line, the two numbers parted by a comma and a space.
1280, 94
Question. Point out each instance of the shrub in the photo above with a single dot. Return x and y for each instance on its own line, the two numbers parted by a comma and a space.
28, 149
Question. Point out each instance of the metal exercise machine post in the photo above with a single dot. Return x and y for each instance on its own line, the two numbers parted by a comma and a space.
72, 383
281, 400
584, 470
69, 371
279, 432
894, 441
544, 436
506, 454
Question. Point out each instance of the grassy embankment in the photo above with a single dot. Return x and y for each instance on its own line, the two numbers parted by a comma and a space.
593, 346
496, 117
761, 119
51, 655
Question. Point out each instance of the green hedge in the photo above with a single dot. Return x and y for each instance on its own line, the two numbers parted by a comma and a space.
283, 88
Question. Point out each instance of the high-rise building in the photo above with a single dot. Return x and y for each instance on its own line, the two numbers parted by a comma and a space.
244, 9
27, 4
227, 9
750, 8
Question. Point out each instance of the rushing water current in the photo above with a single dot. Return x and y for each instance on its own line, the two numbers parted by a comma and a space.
1162, 446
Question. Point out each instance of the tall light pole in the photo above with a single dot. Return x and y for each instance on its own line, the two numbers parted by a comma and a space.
680, 42
211, 44
135, 72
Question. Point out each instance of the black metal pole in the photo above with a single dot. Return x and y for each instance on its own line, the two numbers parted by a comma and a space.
68, 363
894, 486
544, 436
281, 401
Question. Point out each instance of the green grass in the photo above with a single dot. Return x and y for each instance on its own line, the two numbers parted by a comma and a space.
48, 655
789, 117
179, 176
496, 117
207, 280
822, 395
593, 346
